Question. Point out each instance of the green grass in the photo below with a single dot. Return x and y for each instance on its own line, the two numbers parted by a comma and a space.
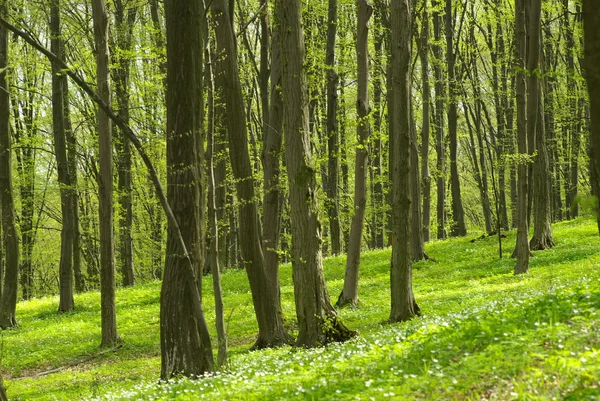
484, 334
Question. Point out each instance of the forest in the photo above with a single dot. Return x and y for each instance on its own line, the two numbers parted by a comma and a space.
271, 200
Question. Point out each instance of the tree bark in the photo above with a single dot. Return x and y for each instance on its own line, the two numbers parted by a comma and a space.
105, 181
423, 43
440, 144
458, 215
64, 177
264, 293
333, 164
403, 304
526, 126
8, 302
318, 322
591, 29
185, 341
124, 31
272, 173
542, 214
349, 293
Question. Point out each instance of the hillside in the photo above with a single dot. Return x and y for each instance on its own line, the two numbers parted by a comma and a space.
484, 334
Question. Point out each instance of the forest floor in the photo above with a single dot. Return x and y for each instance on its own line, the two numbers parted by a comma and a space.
484, 334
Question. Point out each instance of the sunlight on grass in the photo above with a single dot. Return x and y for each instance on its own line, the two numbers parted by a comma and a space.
484, 334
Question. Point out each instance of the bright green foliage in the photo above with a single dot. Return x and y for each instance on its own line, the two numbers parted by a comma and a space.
485, 333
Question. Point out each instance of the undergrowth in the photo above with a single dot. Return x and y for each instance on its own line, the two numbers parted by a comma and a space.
484, 334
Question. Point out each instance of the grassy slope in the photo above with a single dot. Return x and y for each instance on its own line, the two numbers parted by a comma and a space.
484, 334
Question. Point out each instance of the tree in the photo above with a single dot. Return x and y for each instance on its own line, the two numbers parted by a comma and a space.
423, 47
440, 145
64, 177
8, 302
524, 127
124, 32
404, 306
318, 322
458, 215
349, 293
333, 164
591, 28
105, 180
264, 293
185, 341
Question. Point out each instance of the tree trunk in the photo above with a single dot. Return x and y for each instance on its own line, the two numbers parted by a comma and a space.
526, 126
318, 322
64, 177
571, 177
349, 293
333, 164
425, 130
458, 215
74, 204
214, 225
403, 303
542, 214
105, 181
124, 32
8, 302
440, 143
264, 293
272, 173
591, 28
185, 341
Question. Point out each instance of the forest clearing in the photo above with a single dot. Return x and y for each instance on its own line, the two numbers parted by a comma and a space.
484, 333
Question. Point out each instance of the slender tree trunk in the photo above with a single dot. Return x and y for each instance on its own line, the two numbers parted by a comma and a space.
105, 181
333, 164
591, 27
458, 215
264, 293
8, 302
542, 214
185, 341
572, 175
425, 130
64, 177
403, 303
440, 144
3, 396
214, 225
74, 203
318, 322
349, 293
124, 31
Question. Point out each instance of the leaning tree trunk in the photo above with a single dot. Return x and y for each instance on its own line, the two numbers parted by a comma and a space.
591, 28
458, 215
124, 31
105, 181
264, 293
542, 212
185, 341
349, 293
64, 176
8, 302
318, 322
404, 306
